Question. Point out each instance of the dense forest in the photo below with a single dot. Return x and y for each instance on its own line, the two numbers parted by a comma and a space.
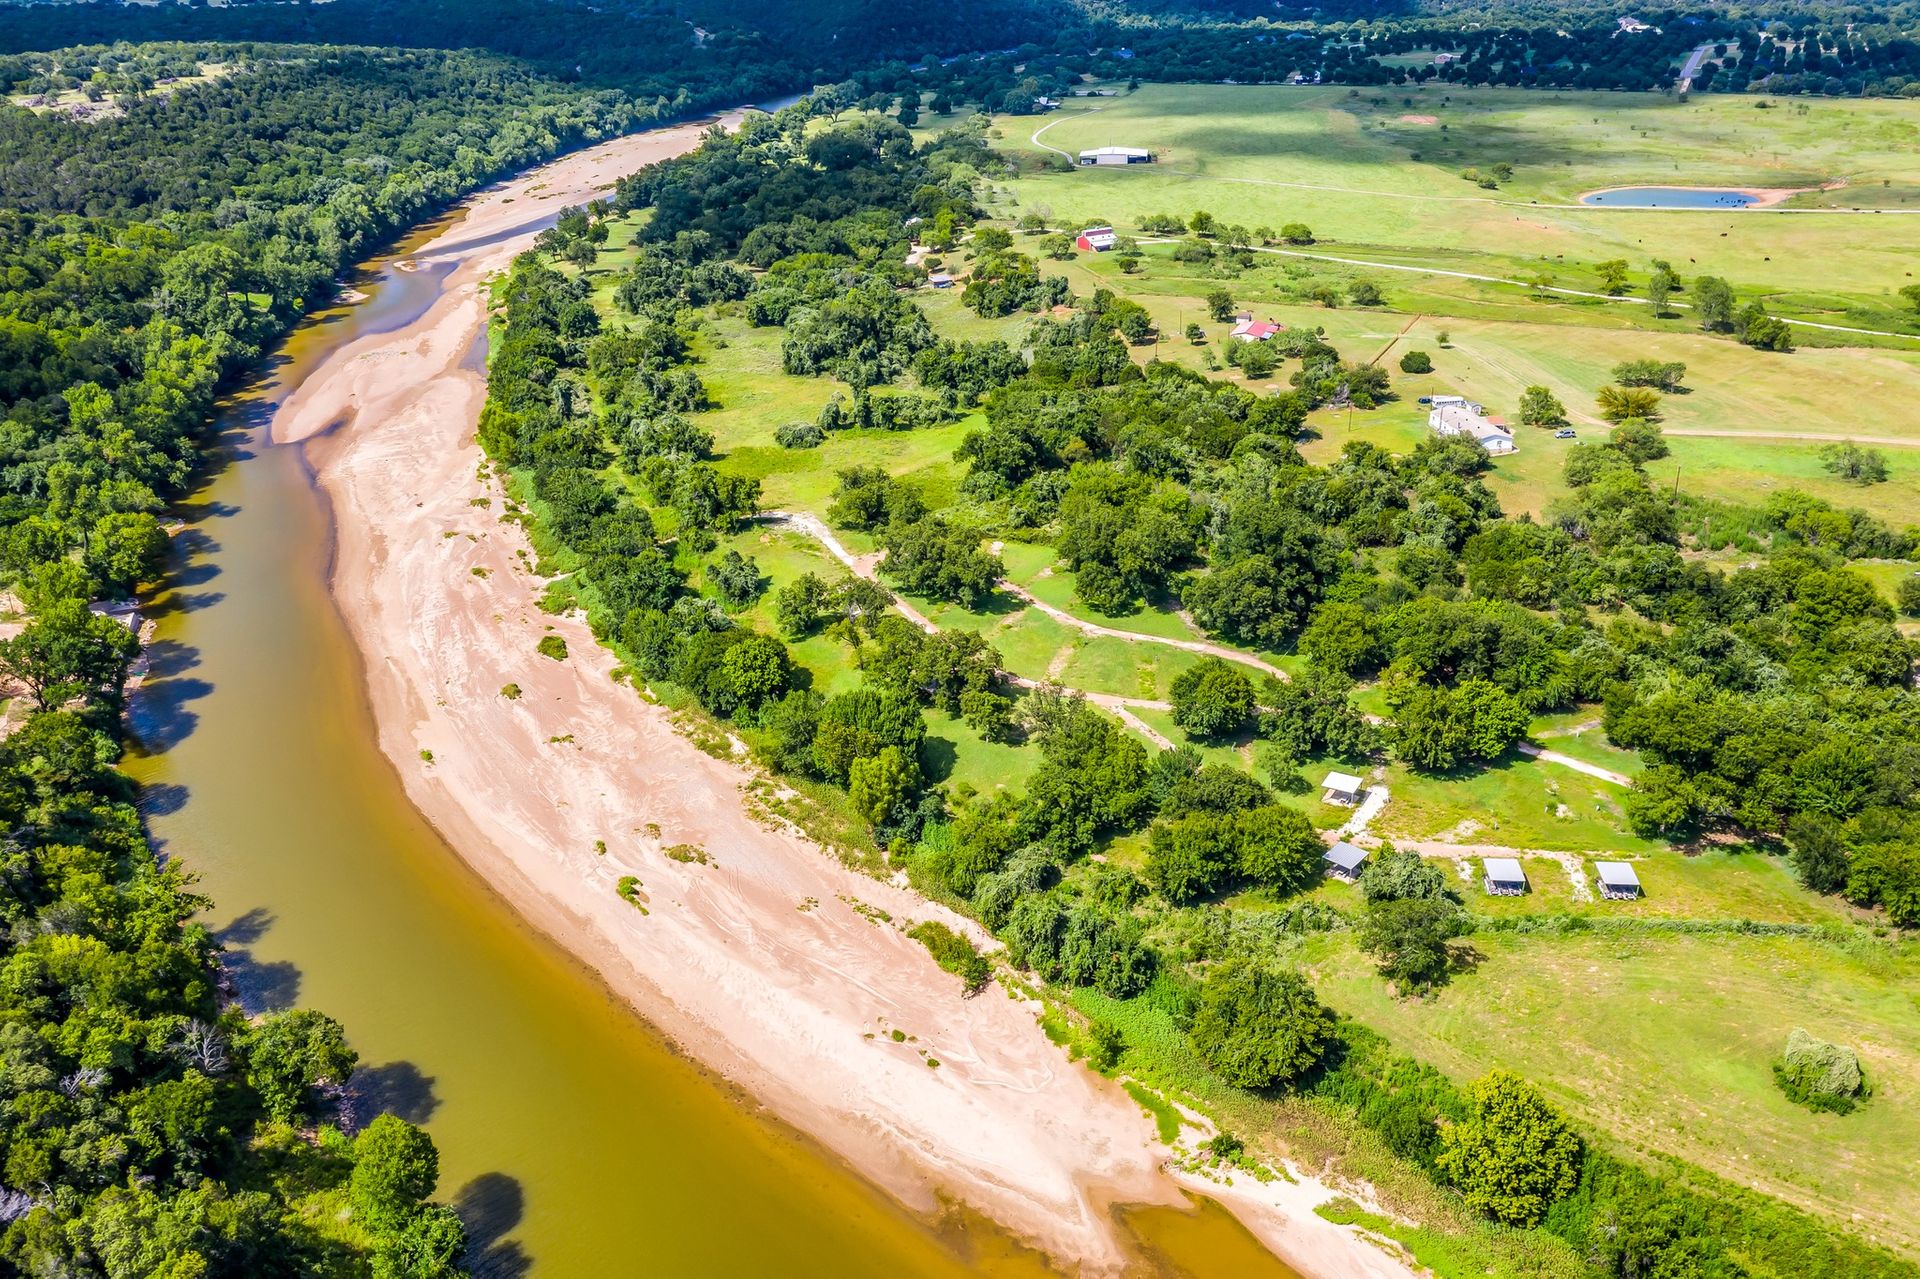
148, 1125
1774, 699
1041, 46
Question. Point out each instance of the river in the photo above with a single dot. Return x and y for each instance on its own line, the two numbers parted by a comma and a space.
573, 1138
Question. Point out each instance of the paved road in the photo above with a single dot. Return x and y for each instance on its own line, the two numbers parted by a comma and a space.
1692, 67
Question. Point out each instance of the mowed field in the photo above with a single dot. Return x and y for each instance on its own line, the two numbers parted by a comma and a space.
1367, 169
1665, 1043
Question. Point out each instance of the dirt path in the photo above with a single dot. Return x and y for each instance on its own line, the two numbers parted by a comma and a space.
1541, 753
1810, 437
1035, 136
1085, 627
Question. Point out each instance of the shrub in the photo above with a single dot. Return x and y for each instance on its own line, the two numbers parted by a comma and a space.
954, 953
1416, 362
1819, 1075
552, 646
799, 435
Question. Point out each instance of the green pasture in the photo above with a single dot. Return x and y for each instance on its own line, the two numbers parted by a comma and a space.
1665, 1043
1364, 168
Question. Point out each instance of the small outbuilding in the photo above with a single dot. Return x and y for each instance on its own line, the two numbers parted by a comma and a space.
1503, 877
1116, 155
1095, 239
1342, 788
1344, 861
1617, 881
940, 279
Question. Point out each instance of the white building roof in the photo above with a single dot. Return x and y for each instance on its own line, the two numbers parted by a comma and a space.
1098, 151
1505, 870
1341, 782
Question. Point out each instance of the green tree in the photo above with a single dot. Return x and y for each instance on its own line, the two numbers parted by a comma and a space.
1259, 1025
1212, 698
737, 578
1640, 440
289, 1054
1911, 292
797, 605
1393, 875
1854, 464
1202, 223
1713, 303
1662, 284
1541, 407
879, 786
395, 1168
1296, 233
1908, 595
1220, 305
1409, 938
1416, 362
1514, 1156
1277, 847
428, 1246
1618, 403
1613, 275
1365, 293
68, 652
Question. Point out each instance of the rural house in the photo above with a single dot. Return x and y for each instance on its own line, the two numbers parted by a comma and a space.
1457, 415
1248, 329
1096, 239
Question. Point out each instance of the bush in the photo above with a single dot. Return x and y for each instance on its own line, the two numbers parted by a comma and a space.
1819, 1075
799, 435
552, 646
954, 953
1416, 362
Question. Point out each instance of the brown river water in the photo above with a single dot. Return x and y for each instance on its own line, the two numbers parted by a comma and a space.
574, 1140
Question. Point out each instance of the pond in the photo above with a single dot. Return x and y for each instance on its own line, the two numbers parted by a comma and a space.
1671, 198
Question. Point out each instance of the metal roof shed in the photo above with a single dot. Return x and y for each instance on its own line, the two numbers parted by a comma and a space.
1344, 860
1503, 877
1617, 880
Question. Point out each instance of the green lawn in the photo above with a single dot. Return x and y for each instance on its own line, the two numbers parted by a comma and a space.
1515, 803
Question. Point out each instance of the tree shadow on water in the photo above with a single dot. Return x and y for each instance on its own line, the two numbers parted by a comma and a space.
262, 986
396, 1088
492, 1205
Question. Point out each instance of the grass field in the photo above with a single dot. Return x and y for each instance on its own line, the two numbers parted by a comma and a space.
1356, 168
1666, 1043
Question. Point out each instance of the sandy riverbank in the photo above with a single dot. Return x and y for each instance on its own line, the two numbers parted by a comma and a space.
759, 963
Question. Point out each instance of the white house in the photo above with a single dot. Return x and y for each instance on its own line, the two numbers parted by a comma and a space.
1117, 155
1096, 239
1457, 415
